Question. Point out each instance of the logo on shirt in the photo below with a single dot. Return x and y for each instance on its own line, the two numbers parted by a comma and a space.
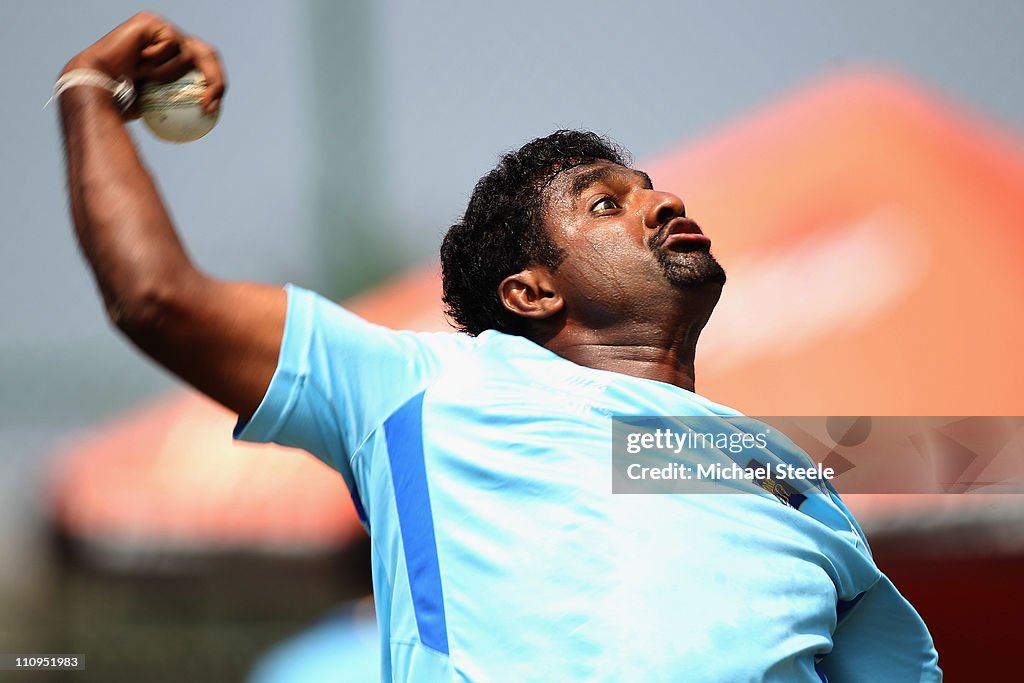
786, 494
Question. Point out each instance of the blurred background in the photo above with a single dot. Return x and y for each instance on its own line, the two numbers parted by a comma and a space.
859, 166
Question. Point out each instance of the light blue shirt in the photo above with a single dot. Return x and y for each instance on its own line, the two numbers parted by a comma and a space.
482, 470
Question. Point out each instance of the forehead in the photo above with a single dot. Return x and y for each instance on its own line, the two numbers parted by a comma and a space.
573, 182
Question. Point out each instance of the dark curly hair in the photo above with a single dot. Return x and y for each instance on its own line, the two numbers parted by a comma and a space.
502, 231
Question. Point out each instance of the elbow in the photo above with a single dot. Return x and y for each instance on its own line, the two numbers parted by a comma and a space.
137, 309
145, 308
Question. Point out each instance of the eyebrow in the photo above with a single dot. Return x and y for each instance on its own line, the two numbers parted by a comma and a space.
605, 173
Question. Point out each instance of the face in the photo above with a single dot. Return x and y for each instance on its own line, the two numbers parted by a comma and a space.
627, 245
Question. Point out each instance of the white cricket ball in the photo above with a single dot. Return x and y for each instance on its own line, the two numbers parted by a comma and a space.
173, 112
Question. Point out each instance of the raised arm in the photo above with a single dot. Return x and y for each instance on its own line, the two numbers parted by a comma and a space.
221, 337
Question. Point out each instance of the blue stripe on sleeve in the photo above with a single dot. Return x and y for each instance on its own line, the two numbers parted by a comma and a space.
404, 433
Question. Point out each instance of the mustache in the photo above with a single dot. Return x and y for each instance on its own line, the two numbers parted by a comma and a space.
655, 240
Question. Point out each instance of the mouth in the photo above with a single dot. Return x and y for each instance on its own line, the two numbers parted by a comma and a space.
683, 234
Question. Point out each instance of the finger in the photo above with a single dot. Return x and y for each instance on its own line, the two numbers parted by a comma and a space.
159, 56
160, 51
171, 70
159, 40
206, 59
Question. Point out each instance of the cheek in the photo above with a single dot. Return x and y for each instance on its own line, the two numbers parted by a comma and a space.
602, 257
604, 265
595, 253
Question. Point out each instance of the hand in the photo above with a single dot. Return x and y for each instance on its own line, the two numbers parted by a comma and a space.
149, 48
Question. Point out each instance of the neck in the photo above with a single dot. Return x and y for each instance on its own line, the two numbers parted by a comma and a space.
661, 347
670, 365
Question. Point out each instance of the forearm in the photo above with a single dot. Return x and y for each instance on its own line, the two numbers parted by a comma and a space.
122, 225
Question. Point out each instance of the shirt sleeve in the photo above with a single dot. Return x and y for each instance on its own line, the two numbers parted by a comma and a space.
338, 378
880, 638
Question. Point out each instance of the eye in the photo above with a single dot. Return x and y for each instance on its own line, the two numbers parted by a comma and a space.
604, 204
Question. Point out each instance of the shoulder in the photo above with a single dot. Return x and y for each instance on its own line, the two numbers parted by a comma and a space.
313, 314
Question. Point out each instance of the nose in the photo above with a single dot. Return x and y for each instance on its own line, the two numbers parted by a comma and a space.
664, 206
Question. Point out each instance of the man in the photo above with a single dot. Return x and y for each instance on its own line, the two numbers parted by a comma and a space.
479, 461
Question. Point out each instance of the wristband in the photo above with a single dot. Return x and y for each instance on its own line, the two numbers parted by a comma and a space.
123, 90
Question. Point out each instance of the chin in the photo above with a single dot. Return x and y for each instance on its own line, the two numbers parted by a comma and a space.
692, 269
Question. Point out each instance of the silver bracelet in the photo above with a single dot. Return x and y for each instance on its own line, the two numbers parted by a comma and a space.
123, 89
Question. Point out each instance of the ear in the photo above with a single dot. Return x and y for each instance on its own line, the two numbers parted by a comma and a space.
531, 293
